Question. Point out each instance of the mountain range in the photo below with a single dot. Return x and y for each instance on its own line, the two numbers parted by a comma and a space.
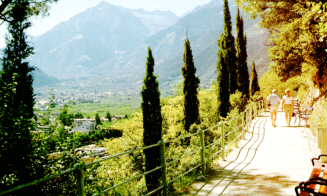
106, 46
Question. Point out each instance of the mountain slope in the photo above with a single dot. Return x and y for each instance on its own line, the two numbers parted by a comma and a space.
203, 27
40, 78
105, 46
86, 40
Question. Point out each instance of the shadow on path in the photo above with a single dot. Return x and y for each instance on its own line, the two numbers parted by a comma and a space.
245, 184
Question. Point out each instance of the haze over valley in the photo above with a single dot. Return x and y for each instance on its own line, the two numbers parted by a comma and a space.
104, 48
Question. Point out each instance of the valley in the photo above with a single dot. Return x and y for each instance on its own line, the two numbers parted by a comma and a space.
104, 48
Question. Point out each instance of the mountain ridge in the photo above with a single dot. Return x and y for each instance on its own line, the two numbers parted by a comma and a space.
110, 50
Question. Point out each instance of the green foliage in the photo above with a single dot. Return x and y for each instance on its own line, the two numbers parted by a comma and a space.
78, 115
97, 120
254, 83
16, 102
190, 88
226, 67
318, 118
35, 7
65, 117
222, 87
298, 36
187, 156
152, 123
60, 140
52, 102
299, 84
238, 101
108, 115
241, 53
116, 104
227, 47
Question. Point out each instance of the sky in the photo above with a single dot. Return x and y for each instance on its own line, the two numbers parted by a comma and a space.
65, 9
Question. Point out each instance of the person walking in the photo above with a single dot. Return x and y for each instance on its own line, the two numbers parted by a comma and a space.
273, 102
288, 106
297, 112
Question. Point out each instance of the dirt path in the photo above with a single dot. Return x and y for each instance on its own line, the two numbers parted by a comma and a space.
269, 161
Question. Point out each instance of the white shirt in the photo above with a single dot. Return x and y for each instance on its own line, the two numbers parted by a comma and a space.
273, 99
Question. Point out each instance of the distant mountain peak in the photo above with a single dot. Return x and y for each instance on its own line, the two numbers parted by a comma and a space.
106, 4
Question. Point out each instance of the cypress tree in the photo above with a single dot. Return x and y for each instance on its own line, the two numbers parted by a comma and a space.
190, 88
242, 67
254, 84
226, 67
222, 84
228, 45
16, 102
152, 123
108, 115
97, 120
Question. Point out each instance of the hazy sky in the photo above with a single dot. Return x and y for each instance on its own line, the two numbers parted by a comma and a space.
64, 9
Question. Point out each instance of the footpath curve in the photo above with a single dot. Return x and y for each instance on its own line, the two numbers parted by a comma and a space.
267, 162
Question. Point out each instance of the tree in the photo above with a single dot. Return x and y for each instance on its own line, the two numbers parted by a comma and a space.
35, 7
298, 36
222, 86
52, 101
226, 67
97, 120
65, 117
190, 88
254, 84
108, 115
152, 123
242, 67
228, 46
16, 102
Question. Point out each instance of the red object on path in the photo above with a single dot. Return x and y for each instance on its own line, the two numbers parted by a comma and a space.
317, 184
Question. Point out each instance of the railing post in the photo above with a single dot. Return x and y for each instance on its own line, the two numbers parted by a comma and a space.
255, 110
164, 169
263, 106
222, 140
203, 161
81, 170
251, 118
243, 127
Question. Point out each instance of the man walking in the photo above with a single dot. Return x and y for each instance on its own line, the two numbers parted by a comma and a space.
288, 106
273, 102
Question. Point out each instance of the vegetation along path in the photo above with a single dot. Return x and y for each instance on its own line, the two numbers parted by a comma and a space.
268, 161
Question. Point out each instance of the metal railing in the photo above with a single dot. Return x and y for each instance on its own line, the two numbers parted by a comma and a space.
227, 132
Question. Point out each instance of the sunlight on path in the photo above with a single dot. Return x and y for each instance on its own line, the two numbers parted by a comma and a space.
269, 161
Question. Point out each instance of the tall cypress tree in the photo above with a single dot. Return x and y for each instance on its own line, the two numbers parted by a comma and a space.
242, 67
152, 123
254, 84
16, 102
226, 67
228, 46
222, 84
190, 88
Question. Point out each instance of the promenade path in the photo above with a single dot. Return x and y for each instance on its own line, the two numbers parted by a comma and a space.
267, 162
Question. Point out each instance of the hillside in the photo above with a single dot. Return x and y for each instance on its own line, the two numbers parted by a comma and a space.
105, 46
41, 79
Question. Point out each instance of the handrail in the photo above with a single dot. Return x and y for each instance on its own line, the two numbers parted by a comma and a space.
246, 117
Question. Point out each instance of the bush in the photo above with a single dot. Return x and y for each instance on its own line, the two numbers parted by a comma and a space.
66, 118
318, 118
238, 101
270, 81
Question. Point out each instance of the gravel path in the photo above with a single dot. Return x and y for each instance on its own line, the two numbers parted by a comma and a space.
269, 161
